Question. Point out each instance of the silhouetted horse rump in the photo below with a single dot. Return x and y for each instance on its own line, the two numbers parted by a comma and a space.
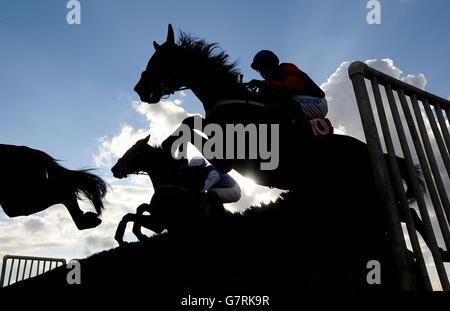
31, 181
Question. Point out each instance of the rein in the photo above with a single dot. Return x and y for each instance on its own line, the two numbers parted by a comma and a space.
167, 91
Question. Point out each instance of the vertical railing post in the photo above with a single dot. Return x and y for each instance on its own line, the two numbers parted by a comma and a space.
402, 265
399, 188
2, 276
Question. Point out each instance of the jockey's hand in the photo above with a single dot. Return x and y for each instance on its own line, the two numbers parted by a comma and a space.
256, 83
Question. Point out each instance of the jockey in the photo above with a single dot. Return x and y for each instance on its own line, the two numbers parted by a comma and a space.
218, 188
287, 83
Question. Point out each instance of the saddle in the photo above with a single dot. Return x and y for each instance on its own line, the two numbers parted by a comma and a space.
315, 128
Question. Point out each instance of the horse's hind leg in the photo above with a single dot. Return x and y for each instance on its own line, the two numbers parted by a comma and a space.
120, 231
82, 220
418, 224
139, 220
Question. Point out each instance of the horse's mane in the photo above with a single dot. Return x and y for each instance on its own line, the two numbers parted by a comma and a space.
210, 55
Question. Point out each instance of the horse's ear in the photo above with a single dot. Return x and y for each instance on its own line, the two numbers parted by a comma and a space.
170, 35
146, 139
156, 45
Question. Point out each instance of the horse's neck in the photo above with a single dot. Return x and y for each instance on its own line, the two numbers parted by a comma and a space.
162, 178
210, 87
160, 175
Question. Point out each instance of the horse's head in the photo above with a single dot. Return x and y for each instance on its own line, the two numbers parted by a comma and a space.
162, 75
142, 157
134, 159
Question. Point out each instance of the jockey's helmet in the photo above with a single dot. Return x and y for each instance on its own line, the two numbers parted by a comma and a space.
265, 58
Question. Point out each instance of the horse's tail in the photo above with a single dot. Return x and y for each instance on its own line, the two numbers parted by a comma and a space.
90, 186
405, 176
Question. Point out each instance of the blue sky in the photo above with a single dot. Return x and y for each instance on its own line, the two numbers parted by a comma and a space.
64, 86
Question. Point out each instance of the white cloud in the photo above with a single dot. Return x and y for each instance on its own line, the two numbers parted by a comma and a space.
110, 149
341, 102
343, 110
416, 80
33, 224
162, 119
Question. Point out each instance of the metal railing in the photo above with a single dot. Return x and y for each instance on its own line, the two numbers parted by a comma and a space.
416, 143
19, 268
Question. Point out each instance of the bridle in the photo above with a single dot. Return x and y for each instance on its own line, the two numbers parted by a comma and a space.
166, 95
165, 87
166, 91
167, 172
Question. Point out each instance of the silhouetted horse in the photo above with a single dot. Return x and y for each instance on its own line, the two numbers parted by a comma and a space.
165, 172
194, 64
334, 167
31, 181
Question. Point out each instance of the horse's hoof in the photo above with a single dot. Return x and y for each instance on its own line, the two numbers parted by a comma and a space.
88, 221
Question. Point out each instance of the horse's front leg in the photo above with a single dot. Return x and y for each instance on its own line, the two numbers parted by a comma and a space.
140, 210
120, 231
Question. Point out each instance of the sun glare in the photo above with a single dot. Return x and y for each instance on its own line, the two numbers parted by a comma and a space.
248, 185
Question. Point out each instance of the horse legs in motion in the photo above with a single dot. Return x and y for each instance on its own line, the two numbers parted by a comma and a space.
420, 228
82, 220
172, 207
139, 220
